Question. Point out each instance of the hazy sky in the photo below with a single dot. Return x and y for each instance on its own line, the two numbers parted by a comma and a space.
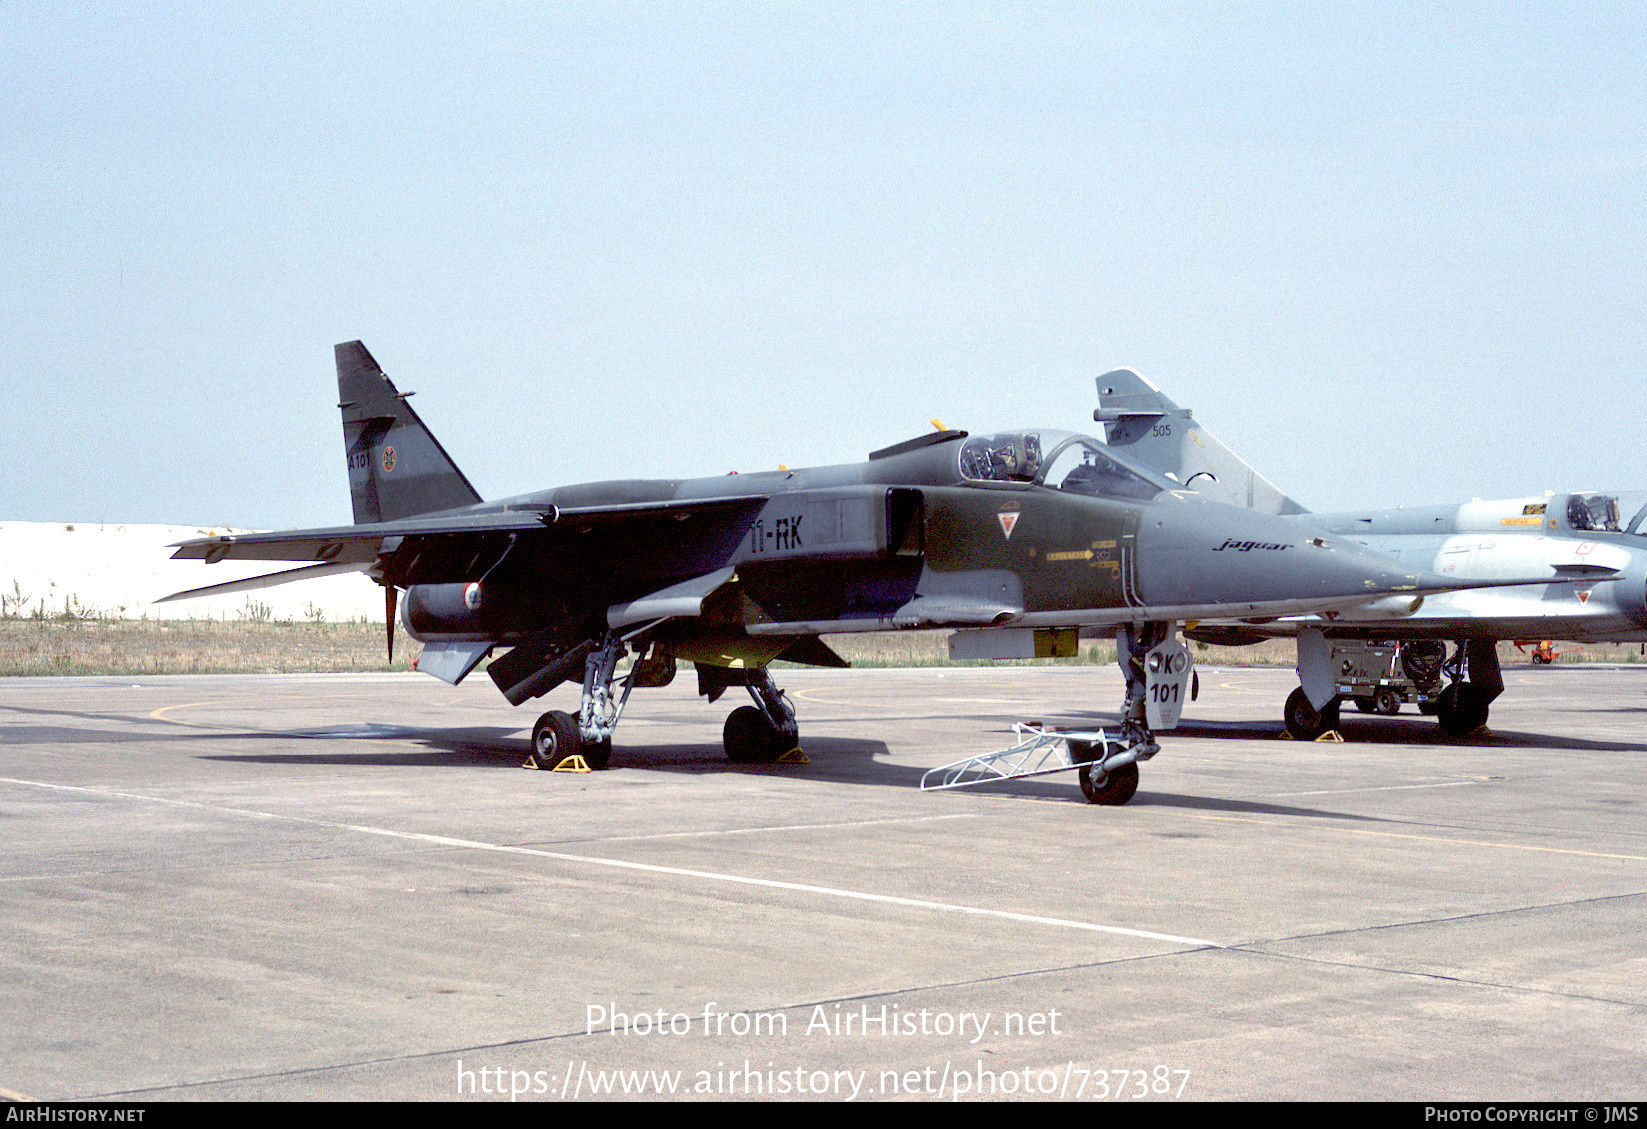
1392, 254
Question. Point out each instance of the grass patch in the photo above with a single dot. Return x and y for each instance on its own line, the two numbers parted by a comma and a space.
66, 646
109, 646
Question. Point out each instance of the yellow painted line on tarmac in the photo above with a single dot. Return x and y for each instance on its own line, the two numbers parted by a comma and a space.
720, 831
228, 703
160, 714
811, 696
14, 1096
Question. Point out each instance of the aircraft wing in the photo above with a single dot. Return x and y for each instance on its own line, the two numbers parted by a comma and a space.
1243, 622
602, 549
1563, 607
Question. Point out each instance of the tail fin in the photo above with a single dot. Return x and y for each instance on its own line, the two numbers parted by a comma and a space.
1146, 426
396, 467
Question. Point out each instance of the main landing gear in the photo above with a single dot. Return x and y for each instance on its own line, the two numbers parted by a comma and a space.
1475, 681
765, 731
1462, 706
558, 736
758, 734
1304, 721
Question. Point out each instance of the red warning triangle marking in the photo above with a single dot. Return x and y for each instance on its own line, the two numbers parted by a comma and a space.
1008, 520
1584, 597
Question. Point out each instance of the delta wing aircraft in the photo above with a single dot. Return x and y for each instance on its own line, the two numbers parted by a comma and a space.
1018, 541
1593, 558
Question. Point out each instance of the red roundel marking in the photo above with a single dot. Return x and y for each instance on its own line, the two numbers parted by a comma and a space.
388, 459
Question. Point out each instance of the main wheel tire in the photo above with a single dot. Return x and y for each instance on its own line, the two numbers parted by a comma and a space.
1304, 721
1115, 788
750, 738
1367, 705
554, 738
1387, 702
1461, 709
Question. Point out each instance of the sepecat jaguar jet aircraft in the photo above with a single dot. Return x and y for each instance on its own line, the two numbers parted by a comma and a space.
1018, 541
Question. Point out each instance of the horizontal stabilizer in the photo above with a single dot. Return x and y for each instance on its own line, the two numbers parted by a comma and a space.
361, 542
621, 545
336, 544
313, 572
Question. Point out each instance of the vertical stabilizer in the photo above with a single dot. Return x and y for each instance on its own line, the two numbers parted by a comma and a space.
396, 467
1143, 424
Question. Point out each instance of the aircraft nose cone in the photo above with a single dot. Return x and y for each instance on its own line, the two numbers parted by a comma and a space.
1211, 553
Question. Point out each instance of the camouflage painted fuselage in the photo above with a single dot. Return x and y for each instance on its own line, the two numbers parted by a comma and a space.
904, 540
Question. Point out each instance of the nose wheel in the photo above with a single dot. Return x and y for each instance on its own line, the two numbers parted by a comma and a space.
1112, 788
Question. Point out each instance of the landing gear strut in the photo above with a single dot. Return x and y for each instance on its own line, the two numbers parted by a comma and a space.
1146, 691
588, 733
1463, 706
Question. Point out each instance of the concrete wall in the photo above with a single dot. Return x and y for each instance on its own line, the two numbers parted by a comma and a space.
119, 570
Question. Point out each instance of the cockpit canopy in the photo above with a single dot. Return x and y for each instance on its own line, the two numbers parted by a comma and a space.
1011, 456
1597, 512
1059, 459
1608, 513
